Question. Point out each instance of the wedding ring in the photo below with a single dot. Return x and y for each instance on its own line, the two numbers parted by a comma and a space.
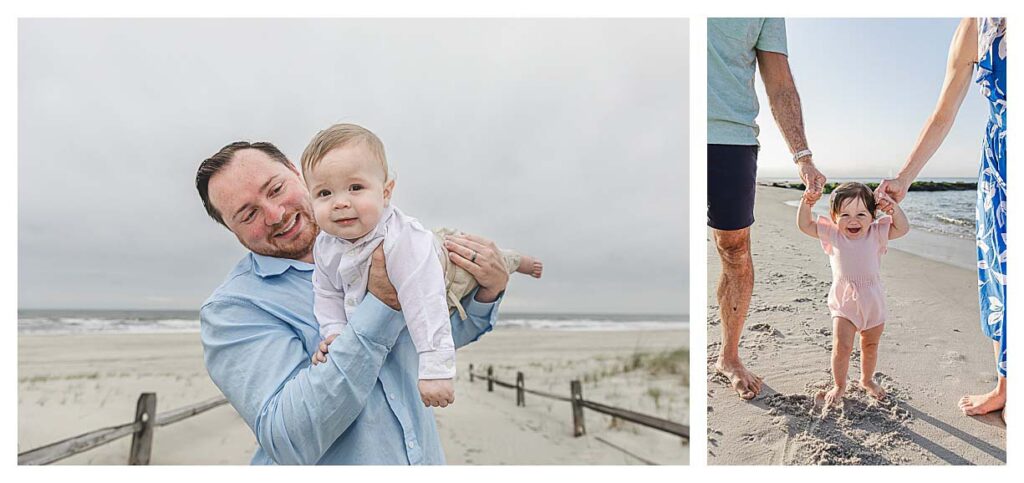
474, 257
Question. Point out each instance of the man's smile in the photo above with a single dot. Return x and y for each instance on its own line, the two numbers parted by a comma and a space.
291, 228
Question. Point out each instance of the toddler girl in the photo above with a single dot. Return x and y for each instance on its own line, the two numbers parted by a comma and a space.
854, 241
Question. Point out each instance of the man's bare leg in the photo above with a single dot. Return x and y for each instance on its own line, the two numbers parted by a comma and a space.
735, 288
869, 359
994, 400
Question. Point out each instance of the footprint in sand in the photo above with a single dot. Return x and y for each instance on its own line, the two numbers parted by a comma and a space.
861, 431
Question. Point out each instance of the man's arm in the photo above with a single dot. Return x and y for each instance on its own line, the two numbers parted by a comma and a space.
296, 411
786, 108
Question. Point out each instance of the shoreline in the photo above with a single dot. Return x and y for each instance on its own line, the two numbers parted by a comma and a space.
950, 250
931, 353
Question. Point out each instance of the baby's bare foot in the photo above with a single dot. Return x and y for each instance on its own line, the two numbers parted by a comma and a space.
832, 398
530, 266
873, 389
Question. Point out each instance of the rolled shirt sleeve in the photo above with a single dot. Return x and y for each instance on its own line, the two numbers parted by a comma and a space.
295, 410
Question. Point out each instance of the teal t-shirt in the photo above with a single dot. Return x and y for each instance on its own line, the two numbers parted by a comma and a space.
732, 62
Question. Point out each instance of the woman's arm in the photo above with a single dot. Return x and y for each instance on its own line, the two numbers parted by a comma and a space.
804, 216
963, 54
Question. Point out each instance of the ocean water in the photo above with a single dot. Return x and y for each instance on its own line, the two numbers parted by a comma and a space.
942, 224
949, 213
62, 322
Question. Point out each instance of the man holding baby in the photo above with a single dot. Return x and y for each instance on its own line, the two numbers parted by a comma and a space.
736, 48
259, 332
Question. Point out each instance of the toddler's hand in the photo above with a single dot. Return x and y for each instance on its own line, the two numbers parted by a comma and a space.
321, 351
811, 197
885, 202
437, 392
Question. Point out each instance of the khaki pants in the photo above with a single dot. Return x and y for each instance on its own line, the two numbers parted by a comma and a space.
459, 282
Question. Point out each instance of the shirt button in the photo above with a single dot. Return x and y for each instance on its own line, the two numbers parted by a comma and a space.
393, 397
410, 445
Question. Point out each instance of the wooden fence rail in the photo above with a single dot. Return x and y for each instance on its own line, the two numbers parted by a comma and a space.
578, 404
141, 430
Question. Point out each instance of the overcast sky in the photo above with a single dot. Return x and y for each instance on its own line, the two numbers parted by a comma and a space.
867, 87
565, 139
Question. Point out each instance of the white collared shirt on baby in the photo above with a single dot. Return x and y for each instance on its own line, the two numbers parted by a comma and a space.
411, 256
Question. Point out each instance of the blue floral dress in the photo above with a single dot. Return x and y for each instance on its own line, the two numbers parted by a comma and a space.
991, 207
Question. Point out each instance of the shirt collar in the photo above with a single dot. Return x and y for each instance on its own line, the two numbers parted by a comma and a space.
265, 266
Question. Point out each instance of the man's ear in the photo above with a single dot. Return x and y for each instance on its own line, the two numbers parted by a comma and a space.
389, 186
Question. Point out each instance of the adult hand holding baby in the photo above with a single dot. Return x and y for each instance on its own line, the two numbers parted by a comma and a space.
813, 180
482, 259
889, 192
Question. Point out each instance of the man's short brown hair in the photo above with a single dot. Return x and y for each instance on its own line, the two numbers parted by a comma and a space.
849, 191
340, 135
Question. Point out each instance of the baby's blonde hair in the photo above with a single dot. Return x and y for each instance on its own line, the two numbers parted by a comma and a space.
340, 135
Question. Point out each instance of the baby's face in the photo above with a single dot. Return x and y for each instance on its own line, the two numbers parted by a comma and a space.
853, 219
349, 191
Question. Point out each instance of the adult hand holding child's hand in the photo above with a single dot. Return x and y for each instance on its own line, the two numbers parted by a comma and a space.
809, 174
889, 192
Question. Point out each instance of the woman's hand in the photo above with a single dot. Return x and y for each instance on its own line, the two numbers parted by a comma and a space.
889, 192
482, 259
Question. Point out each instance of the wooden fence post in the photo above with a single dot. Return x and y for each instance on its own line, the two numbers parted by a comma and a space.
576, 394
142, 439
471, 373
490, 378
520, 384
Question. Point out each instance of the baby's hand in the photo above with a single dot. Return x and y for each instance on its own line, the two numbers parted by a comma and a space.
811, 197
321, 351
437, 392
885, 202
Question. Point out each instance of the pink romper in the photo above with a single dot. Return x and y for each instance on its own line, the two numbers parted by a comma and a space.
856, 292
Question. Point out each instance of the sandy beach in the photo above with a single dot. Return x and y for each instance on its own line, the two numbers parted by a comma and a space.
69, 385
932, 352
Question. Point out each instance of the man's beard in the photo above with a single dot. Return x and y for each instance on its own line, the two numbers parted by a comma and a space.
295, 249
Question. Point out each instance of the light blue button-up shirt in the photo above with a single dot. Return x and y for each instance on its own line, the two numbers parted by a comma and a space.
361, 407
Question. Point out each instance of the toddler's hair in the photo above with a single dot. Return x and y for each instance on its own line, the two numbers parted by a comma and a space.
341, 135
849, 191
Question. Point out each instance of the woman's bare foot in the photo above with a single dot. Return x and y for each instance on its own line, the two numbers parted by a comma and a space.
746, 384
832, 398
873, 389
976, 404
530, 266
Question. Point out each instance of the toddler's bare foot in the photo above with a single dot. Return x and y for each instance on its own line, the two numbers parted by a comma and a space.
832, 398
530, 266
976, 404
873, 389
437, 392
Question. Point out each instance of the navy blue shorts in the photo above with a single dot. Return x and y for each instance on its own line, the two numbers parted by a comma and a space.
732, 171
